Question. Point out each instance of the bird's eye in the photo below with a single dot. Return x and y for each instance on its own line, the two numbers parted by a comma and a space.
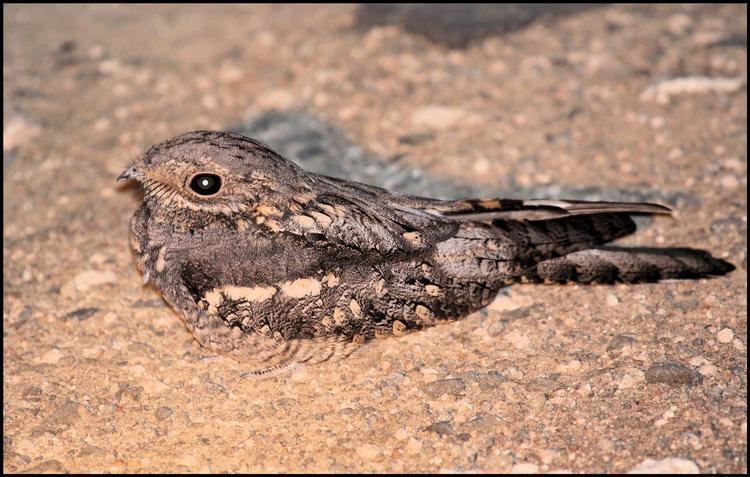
205, 184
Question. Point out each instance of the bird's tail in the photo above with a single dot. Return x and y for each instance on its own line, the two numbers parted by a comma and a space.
627, 265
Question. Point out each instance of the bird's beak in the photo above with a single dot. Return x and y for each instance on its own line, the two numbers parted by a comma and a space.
129, 173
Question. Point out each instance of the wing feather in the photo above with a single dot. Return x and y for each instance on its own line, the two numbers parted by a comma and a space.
538, 209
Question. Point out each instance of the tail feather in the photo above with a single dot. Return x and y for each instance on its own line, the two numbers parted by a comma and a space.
552, 238
472, 210
628, 265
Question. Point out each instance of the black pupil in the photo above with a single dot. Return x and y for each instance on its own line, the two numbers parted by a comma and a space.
206, 184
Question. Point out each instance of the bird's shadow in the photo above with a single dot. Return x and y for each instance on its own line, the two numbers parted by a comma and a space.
320, 147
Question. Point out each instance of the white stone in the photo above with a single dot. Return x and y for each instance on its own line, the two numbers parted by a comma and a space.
662, 90
524, 468
729, 182
570, 367
276, 99
725, 336
632, 377
230, 74
51, 357
518, 340
503, 303
670, 465
93, 278
612, 300
547, 456
401, 434
413, 446
368, 451
18, 131
441, 118
708, 370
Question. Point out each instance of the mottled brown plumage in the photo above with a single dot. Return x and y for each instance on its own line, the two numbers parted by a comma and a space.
273, 265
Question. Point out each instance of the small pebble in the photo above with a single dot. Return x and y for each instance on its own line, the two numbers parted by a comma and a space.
524, 468
436, 389
19, 131
413, 446
93, 278
612, 300
729, 182
52, 356
547, 456
674, 374
367, 451
441, 118
163, 412
276, 99
670, 465
725, 336
708, 370
632, 377
661, 91
82, 314
442, 428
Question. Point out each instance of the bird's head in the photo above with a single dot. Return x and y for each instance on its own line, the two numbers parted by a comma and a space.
212, 172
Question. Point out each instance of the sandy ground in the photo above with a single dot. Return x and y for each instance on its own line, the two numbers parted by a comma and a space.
99, 375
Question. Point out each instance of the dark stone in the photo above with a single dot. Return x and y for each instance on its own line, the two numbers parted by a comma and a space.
62, 418
441, 428
453, 387
67, 46
81, 313
619, 341
25, 313
90, 450
33, 394
128, 391
546, 385
482, 422
491, 381
153, 303
322, 148
674, 374
415, 138
46, 467
734, 39
458, 25
163, 412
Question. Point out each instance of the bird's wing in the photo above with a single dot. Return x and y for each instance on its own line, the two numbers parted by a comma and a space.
376, 222
541, 228
362, 219
480, 210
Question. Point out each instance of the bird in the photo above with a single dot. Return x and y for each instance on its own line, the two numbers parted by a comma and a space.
278, 267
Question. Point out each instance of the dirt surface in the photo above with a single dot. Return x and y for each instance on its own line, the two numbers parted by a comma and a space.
99, 375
